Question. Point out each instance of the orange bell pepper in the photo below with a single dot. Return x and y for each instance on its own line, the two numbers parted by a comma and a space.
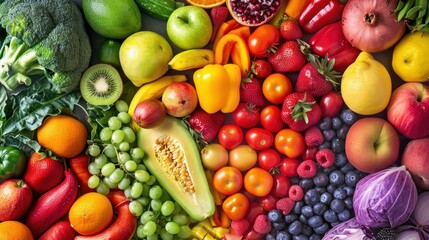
234, 46
294, 8
224, 28
242, 31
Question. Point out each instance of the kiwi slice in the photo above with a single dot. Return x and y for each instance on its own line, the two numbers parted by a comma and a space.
101, 84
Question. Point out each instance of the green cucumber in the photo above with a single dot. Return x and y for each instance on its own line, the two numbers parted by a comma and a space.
160, 9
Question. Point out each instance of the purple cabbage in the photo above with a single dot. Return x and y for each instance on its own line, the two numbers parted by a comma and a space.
349, 230
385, 199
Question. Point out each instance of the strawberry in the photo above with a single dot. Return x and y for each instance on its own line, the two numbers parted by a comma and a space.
251, 92
240, 227
262, 225
287, 58
300, 111
261, 68
313, 136
43, 173
317, 77
218, 15
290, 30
205, 126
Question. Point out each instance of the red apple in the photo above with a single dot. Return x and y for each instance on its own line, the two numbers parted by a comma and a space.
180, 99
372, 144
408, 110
416, 159
15, 199
149, 113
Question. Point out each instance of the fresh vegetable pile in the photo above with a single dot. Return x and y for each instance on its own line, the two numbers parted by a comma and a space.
239, 120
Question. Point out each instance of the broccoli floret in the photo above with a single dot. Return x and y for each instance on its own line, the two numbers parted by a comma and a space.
46, 37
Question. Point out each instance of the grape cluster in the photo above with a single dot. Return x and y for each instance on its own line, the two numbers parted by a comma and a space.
116, 162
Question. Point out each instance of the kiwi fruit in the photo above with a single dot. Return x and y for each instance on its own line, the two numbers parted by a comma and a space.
101, 84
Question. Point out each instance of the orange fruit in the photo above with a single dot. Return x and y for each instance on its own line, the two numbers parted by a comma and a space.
206, 3
14, 230
91, 213
64, 135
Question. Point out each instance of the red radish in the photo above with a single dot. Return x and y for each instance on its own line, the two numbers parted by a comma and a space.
52, 205
79, 166
60, 230
218, 15
15, 199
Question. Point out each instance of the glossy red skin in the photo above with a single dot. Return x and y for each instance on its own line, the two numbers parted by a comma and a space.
252, 235
310, 153
255, 209
59, 230
246, 115
281, 185
271, 118
289, 166
268, 202
331, 104
236, 206
268, 159
319, 13
259, 138
230, 136
79, 166
16, 198
262, 39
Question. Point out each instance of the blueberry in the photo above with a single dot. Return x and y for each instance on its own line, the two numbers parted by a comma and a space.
325, 145
325, 123
275, 216
337, 205
335, 223
340, 193
306, 183
344, 215
294, 180
340, 160
279, 225
329, 170
328, 135
307, 230
326, 198
348, 116
336, 178
347, 168
336, 123
337, 145
303, 219
297, 207
331, 188
290, 218
349, 202
307, 211
322, 229
349, 190
270, 236
283, 235
315, 221
295, 228
342, 132
330, 216
300, 237
352, 178
311, 197
315, 236
321, 179
319, 208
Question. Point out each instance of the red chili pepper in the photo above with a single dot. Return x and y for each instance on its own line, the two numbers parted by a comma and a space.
330, 41
79, 166
319, 13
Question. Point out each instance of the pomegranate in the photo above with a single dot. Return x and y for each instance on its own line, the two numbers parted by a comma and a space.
253, 12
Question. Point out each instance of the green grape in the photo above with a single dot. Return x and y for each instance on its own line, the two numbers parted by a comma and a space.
136, 208
93, 169
123, 157
137, 153
155, 192
107, 169
130, 166
114, 160
114, 123
93, 181
180, 219
103, 188
151, 181
166, 235
156, 205
152, 237
145, 201
172, 228
94, 150
185, 232
124, 147
167, 208
117, 176
121, 106
100, 160
127, 192
146, 189
118, 136
109, 183
130, 135
124, 183
177, 208
139, 232
110, 151
165, 196
149, 228
142, 175
124, 117
147, 216
136, 189
140, 166
106, 134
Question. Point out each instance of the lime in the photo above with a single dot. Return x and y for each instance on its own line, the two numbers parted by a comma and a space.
108, 52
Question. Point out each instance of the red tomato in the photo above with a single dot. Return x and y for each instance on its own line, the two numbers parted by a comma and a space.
271, 118
310, 153
290, 142
228, 180
268, 202
289, 167
246, 115
331, 104
276, 87
259, 138
255, 209
253, 235
268, 159
258, 182
230, 136
280, 186
262, 40
236, 206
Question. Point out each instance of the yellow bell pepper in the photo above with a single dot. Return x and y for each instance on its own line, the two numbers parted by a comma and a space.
218, 87
234, 46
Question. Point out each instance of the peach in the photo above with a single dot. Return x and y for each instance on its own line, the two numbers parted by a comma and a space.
180, 99
416, 159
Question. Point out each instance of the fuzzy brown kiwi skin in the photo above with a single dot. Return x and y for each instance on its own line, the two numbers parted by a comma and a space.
113, 79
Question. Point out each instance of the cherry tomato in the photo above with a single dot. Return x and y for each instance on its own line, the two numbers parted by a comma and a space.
255, 209
276, 87
253, 235
280, 186
227, 180
331, 104
290, 142
259, 138
258, 182
243, 157
268, 159
310, 153
246, 115
289, 167
214, 156
271, 118
268, 202
236, 206
230, 136
262, 40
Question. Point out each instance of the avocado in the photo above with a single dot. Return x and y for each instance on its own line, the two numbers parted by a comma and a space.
172, 156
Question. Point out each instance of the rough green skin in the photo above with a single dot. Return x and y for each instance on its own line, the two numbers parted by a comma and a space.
12, 162
160, 9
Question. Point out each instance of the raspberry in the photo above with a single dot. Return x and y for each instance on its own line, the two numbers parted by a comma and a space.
307, 169
313, 136
262, 225
285, 205
296, 193
325, 157
240, 226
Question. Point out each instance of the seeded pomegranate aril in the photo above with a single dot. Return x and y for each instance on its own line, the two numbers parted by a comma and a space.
253, 12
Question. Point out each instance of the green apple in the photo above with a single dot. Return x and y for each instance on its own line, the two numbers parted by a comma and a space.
189, 27
144, 57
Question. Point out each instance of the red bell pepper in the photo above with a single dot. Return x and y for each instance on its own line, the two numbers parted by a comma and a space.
319, 13
330, 41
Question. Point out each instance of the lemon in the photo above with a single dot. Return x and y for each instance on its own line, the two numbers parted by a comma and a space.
410, 59
366, 85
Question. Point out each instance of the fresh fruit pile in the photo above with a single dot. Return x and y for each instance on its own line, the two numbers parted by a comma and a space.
237, 120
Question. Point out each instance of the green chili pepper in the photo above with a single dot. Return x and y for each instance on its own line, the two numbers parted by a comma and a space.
12, 162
